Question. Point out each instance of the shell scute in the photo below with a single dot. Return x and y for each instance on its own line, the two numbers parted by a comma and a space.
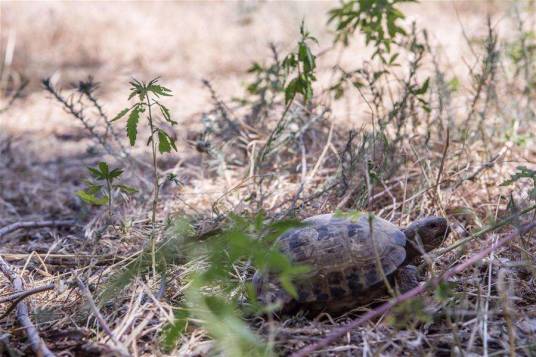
343, 256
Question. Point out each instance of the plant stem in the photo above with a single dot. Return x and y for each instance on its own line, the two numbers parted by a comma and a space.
109, 189
153, 146
156, 187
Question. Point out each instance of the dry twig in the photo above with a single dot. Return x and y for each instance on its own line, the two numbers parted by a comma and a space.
34, 224
18, 297
38, 345
23, 294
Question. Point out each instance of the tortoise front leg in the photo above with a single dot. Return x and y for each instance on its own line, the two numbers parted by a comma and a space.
406, 278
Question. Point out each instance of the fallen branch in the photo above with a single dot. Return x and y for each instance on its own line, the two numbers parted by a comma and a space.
339, 332
26, 293
18, 297
38, 345
34, 224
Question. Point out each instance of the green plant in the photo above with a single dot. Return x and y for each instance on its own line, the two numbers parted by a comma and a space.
215, 293
523, 172
268, 81
301, 64
147, 95
102, 194
376, 19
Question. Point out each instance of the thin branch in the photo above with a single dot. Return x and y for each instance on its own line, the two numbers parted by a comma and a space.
336, 334
34, 224
102, 322
18, 94
26, 293
502, 223
38, 345
443, 157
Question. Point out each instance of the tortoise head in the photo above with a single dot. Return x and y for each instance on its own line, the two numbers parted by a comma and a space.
425, 234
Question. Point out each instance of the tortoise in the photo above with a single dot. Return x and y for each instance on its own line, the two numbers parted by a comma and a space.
347, 267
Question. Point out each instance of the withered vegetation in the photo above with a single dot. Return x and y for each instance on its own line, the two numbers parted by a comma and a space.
407, 124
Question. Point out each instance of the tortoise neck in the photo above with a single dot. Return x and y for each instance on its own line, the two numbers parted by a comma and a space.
409, 232
412, 251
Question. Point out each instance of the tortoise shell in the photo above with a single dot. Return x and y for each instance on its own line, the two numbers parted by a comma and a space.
345, 259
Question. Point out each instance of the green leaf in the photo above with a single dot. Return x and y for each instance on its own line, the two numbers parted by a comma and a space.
132, 125
444, 291
393, 58
165, 142
137, 90
115, 173
306, 57
96, 173
290, 90
159, 90
522, 172
423, 88
104, 169
121, 114
92, 199
286, 283
166, 113
126, 189
173, 331
92, 188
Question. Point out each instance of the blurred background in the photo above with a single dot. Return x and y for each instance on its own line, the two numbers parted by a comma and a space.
184, 42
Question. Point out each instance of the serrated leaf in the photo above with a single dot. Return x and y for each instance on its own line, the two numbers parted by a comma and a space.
96, 173
115, 173
165, 142
92, 199
159, 90
133, 94
165, 112
125, 188
132, 125
92, 188
121, 114
306, 57
104, 169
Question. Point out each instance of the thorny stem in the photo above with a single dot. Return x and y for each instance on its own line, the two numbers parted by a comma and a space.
77, 113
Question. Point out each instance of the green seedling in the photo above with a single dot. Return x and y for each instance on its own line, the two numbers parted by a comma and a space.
99, 194
147, 95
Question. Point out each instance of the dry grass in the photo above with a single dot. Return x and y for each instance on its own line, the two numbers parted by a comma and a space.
44, 153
